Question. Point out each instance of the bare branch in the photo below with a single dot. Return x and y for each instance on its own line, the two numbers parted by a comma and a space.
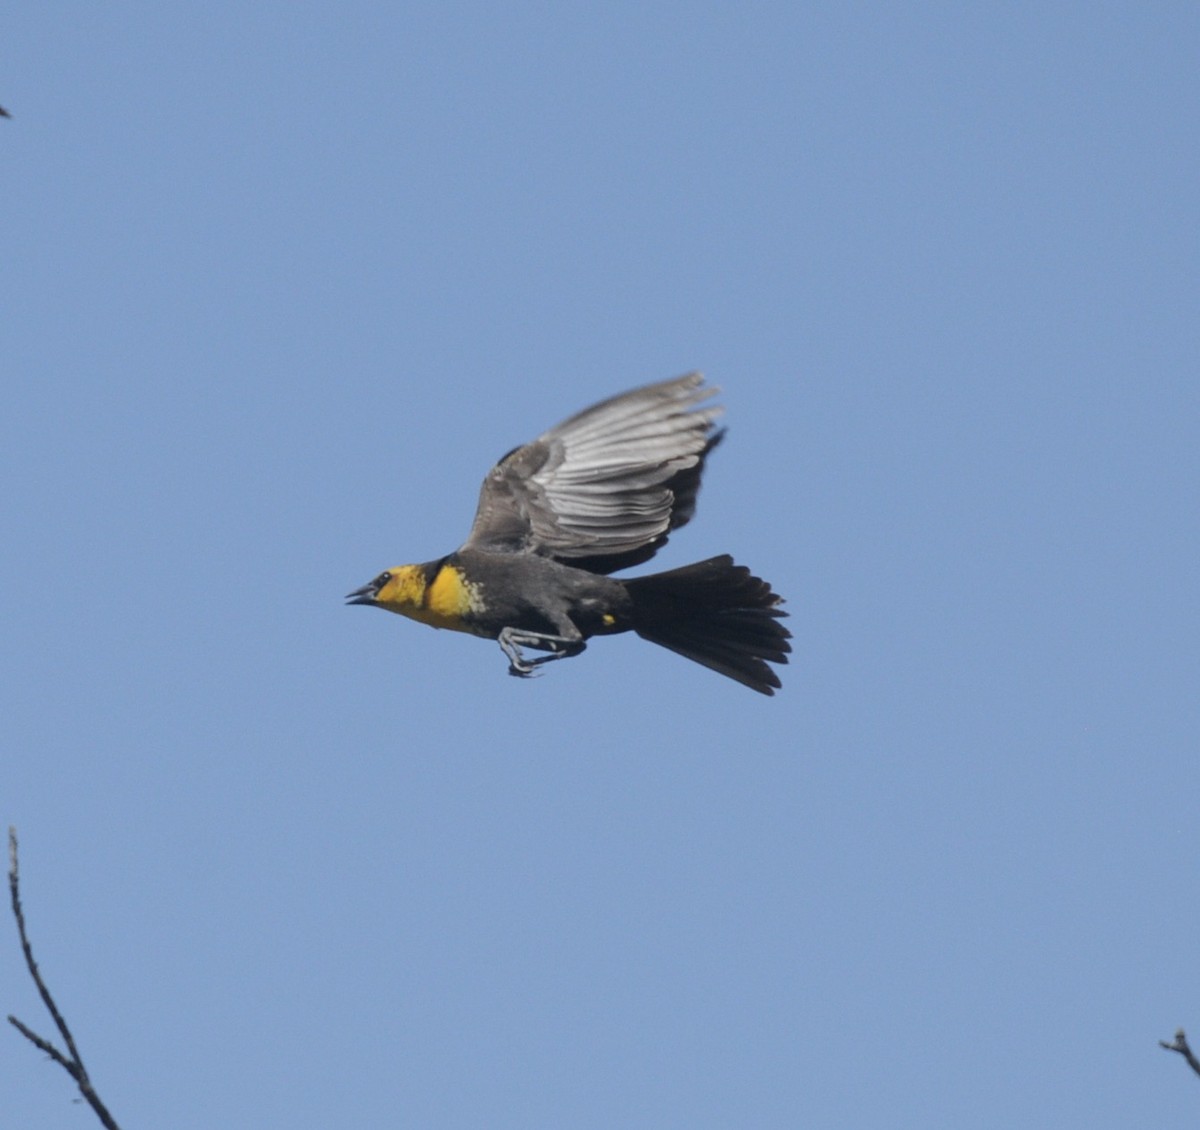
1182, 1047
72, 1063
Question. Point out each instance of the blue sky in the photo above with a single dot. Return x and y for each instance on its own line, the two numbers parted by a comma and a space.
282, 281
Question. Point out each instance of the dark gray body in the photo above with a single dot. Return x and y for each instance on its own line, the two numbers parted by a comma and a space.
537, 594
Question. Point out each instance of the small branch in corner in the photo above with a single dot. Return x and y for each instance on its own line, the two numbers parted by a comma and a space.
1183, 1048
71, 1062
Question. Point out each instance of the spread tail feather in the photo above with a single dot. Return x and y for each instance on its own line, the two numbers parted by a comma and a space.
715, 613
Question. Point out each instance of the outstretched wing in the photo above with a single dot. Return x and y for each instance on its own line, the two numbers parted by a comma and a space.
602, 490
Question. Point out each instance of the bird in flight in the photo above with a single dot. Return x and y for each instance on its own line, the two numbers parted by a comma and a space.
598, 493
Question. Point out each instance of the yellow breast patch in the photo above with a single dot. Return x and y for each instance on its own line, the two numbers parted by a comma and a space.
449, 597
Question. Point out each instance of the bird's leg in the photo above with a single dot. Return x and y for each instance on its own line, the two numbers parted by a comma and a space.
511, 641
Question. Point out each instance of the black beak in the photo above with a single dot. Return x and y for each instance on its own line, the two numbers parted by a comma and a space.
365, 595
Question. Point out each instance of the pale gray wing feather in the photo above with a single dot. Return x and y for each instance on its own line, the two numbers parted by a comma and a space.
603, 488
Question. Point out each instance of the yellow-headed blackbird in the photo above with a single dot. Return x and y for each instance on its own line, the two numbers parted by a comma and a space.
598, 493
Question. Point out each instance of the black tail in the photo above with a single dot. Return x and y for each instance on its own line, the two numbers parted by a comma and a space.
718, 614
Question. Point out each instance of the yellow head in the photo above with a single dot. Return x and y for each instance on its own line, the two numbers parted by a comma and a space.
398, 590
437, 594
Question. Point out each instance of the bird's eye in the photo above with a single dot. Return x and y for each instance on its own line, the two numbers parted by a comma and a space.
382, 580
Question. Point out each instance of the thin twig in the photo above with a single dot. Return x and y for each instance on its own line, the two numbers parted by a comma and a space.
72, 1063
1183, 1048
